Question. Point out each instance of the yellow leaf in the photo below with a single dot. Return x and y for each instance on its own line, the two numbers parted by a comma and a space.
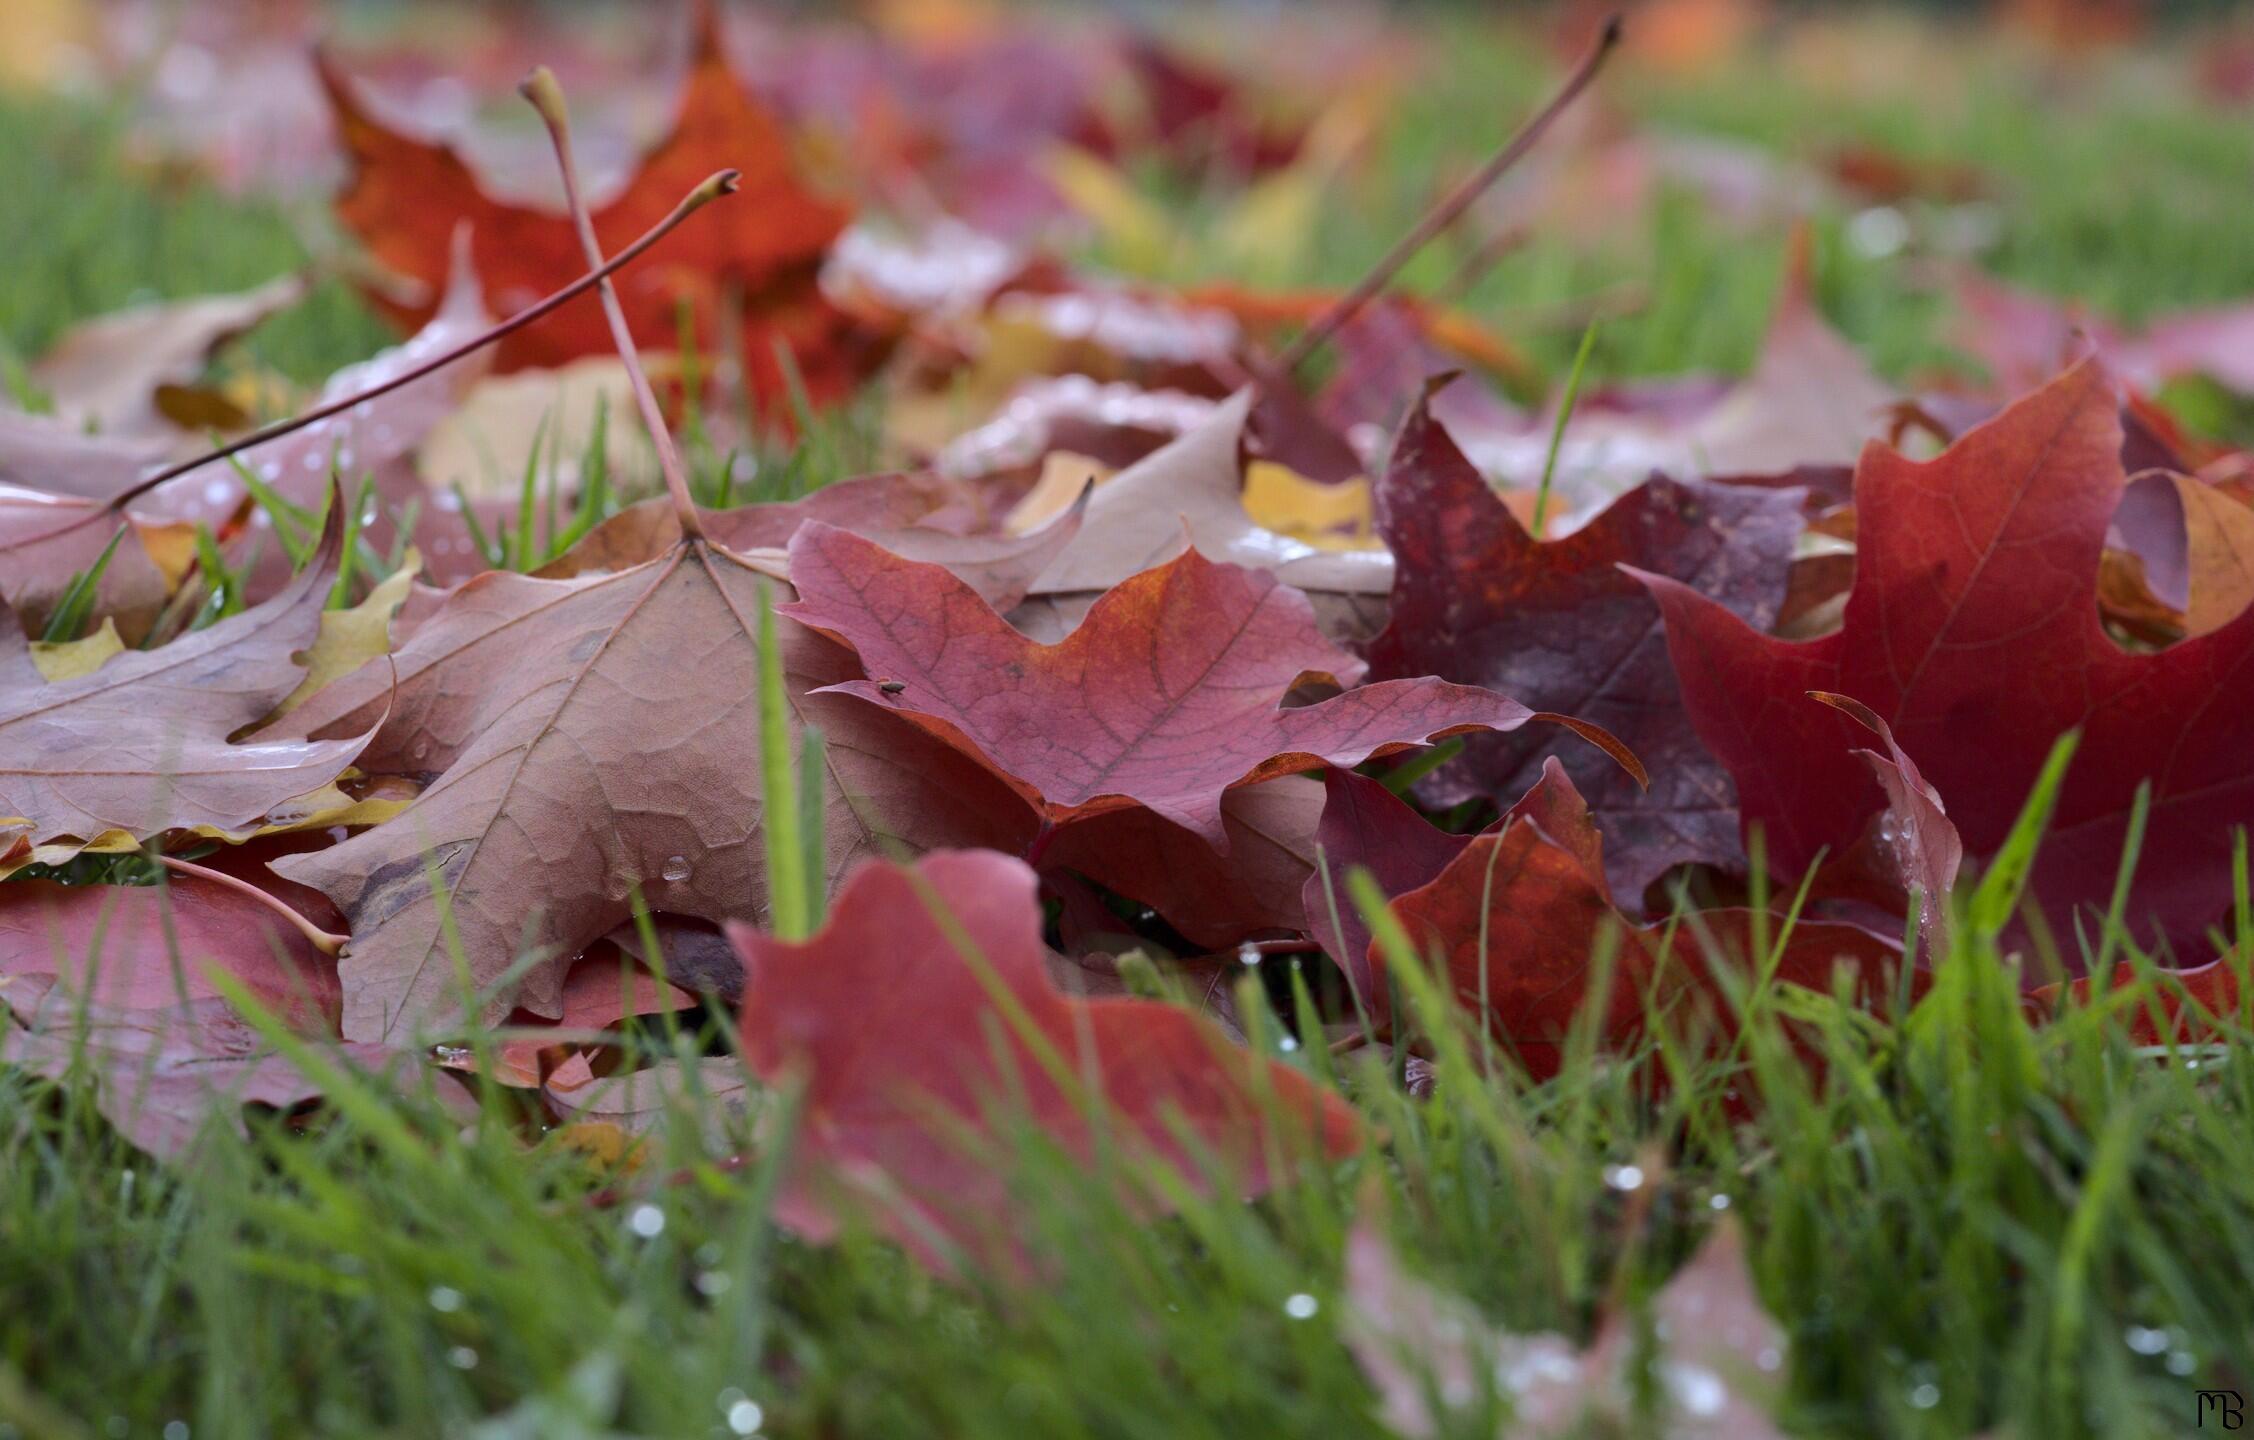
1139, 234
1328, 517
69, 659
351, 638
1062, 475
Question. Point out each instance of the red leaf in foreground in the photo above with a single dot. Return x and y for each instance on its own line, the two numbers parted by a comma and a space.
1519, 915
1476, 599
115, 946
1167, 695
1973, 632
2215, 986
892, 1016
113, 983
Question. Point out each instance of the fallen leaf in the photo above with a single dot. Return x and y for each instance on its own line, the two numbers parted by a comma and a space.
1254, 886
407, 195
1139, 518
1367, 826
1520, 915
601, 989
1716, 1362
49, 455
590, 737
2166, 1018
1166, 696
1811, 399
161, 1076
1973, 632
149, 947
349, 639
1478, 600
925, 1002
142, 745
103, 374
70, 659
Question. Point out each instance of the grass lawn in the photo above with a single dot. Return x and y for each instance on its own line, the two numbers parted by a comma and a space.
1969, 1224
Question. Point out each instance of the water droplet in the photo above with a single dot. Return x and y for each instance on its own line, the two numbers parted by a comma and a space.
1301, 1306
1925, 1396
1248, 954
2145, 1339
1718, 1202
676, 868
2182, 1362
1624, 1177
459, 1057
445, 1299
1288, 1044
462, 1357
420, 749
1696, 1388
713, 1282
176, 1430
646, 1221
744, 1417
215, 492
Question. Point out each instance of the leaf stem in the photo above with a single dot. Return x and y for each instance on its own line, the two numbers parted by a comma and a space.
1441, 216
720, 183
547, 97
319, 939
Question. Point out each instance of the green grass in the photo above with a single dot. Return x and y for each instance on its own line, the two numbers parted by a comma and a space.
1967, 1224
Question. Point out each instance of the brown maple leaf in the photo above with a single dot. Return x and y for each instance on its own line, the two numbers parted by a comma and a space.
588, 738
143, 744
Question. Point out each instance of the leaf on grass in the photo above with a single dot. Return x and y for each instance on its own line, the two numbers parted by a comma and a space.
114, 983
1973, 632
588, 738
143, 744
602, 988
923, 1013
1256, 885
1476, 599
1167, 695
1716, 1365
146, 947
2180, 1008
103, 374
1139, 518
44, 547
407, 194
1520, 916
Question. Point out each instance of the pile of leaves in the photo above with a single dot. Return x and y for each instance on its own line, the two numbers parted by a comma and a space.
920, 790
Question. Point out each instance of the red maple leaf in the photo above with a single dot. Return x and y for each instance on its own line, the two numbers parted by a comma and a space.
1168, 694
923, 1011
408, 195
1972, 631
1520, 915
